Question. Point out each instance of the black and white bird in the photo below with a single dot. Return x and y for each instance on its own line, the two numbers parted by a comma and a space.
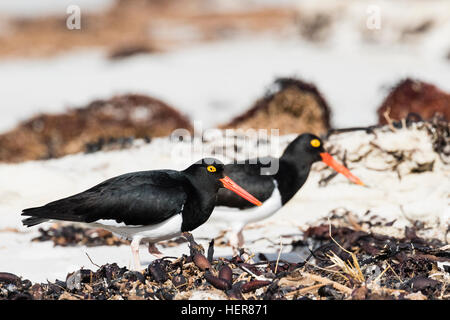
145, 206
273, 188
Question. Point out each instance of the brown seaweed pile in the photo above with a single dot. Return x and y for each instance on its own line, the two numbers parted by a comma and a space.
114, 122
292, 105
70, 235
348, 260
414, 96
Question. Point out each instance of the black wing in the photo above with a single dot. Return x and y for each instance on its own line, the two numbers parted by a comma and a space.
249, 176
138, 198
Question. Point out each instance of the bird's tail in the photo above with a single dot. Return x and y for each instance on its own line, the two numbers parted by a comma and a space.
32, 221
37, 215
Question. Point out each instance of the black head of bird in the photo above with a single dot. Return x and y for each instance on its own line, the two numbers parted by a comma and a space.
208, 174
308, 148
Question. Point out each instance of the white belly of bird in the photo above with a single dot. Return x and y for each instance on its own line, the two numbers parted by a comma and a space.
165, 230
238, 218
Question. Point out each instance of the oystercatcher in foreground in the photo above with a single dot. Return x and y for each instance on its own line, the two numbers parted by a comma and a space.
145, 206
274, 189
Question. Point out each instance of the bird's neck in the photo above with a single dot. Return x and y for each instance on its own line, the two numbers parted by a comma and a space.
199, 205
290, 177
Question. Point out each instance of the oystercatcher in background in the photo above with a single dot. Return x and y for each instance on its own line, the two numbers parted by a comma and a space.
147, 206
274, 189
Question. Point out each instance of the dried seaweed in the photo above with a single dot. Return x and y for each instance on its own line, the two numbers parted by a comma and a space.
100, 125
384, 267
414, 96
70, 235
292, 105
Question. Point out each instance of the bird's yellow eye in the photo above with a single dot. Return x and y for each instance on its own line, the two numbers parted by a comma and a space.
211, 169
315, 143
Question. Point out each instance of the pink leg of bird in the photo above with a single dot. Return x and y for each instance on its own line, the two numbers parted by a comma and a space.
236, 240
135, 251
240, 237
237, 243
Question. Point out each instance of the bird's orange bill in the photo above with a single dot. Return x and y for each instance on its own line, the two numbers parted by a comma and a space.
233, 186
329, 160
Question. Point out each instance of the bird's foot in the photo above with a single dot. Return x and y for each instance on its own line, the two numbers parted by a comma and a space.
153, 250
